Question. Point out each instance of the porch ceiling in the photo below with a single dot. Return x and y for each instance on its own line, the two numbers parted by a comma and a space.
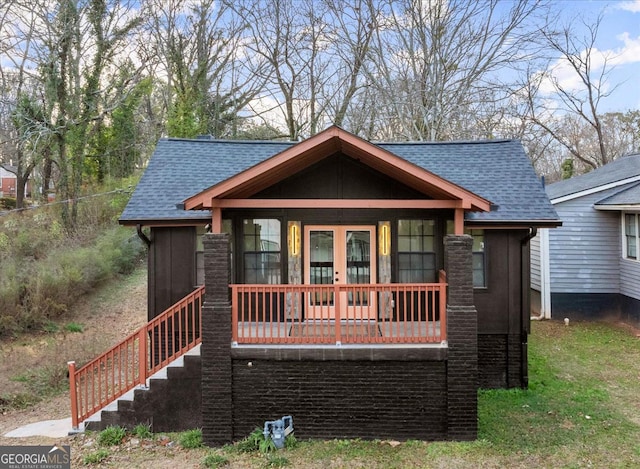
329, 142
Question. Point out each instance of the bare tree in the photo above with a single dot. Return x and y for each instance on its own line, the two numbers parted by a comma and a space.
314, 54
21, 132
201, 57
436, 59
290, 71
71, 50
354, 24
569, 111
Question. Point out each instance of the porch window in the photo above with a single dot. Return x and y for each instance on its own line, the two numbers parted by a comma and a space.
479, 260
479, 280
416, 255
631, 235
261, 240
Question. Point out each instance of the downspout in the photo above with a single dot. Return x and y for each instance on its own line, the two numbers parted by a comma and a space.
542, 282
524, 331
545, 275
143, 236
532, 233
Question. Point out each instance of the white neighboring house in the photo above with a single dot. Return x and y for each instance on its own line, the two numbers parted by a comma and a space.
590, 267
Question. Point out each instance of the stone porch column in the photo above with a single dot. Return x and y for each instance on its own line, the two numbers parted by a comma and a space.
462, 337
217, 402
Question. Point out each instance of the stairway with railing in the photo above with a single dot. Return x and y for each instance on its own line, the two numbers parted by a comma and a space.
131, 362
280, 315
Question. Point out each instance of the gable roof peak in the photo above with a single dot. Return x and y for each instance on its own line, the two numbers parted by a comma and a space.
322, 145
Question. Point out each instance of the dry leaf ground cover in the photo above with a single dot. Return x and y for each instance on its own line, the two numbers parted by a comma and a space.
582, 408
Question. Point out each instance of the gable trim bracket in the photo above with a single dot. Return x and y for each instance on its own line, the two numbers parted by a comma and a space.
251, 181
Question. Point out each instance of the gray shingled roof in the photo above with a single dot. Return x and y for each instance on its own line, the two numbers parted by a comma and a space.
627, 196
180, 168
618, 170
497, 170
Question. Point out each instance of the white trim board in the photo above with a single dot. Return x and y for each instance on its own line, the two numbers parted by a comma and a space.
594, 190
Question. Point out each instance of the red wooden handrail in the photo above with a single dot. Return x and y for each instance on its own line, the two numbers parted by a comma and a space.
129, 363
370, 313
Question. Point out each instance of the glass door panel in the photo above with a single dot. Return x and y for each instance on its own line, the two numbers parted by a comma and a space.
358, 264
321, 264
340, 255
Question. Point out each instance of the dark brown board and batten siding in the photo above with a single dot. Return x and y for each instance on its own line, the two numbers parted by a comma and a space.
171, 265
503, 311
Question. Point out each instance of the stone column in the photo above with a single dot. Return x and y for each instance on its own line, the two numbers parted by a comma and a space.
462, 337
217, 401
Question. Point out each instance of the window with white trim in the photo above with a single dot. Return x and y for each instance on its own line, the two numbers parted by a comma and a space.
630, 236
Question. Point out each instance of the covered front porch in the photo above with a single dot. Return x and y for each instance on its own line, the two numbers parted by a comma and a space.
339, 314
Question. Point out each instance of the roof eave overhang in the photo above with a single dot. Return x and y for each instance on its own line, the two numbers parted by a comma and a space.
512, 224
302, 155
593, 190
618, 207
173, 222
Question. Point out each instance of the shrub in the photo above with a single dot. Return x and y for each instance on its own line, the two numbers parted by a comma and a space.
96, 457
7, 203
290, 442
111, 436
121, 250
16, 401
251, 442
12, 289
73, 327
45, 268
142, 431
34, 292
50, 327
214, 460
191, 439
256, 441
276, 460
47, 380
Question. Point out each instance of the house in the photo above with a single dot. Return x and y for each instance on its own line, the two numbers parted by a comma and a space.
366, 289
7, 181
590, 268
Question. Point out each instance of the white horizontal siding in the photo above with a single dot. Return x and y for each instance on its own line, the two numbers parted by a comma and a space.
585, 252
630, 278
535, 262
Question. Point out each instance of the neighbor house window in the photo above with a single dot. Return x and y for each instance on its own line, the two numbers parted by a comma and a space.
631, 236
416, 254
200, 231
479, 260
261, 241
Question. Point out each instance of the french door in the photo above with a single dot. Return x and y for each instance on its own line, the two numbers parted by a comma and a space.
342, 257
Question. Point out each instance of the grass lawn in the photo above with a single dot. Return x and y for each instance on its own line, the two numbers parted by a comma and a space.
582, 409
